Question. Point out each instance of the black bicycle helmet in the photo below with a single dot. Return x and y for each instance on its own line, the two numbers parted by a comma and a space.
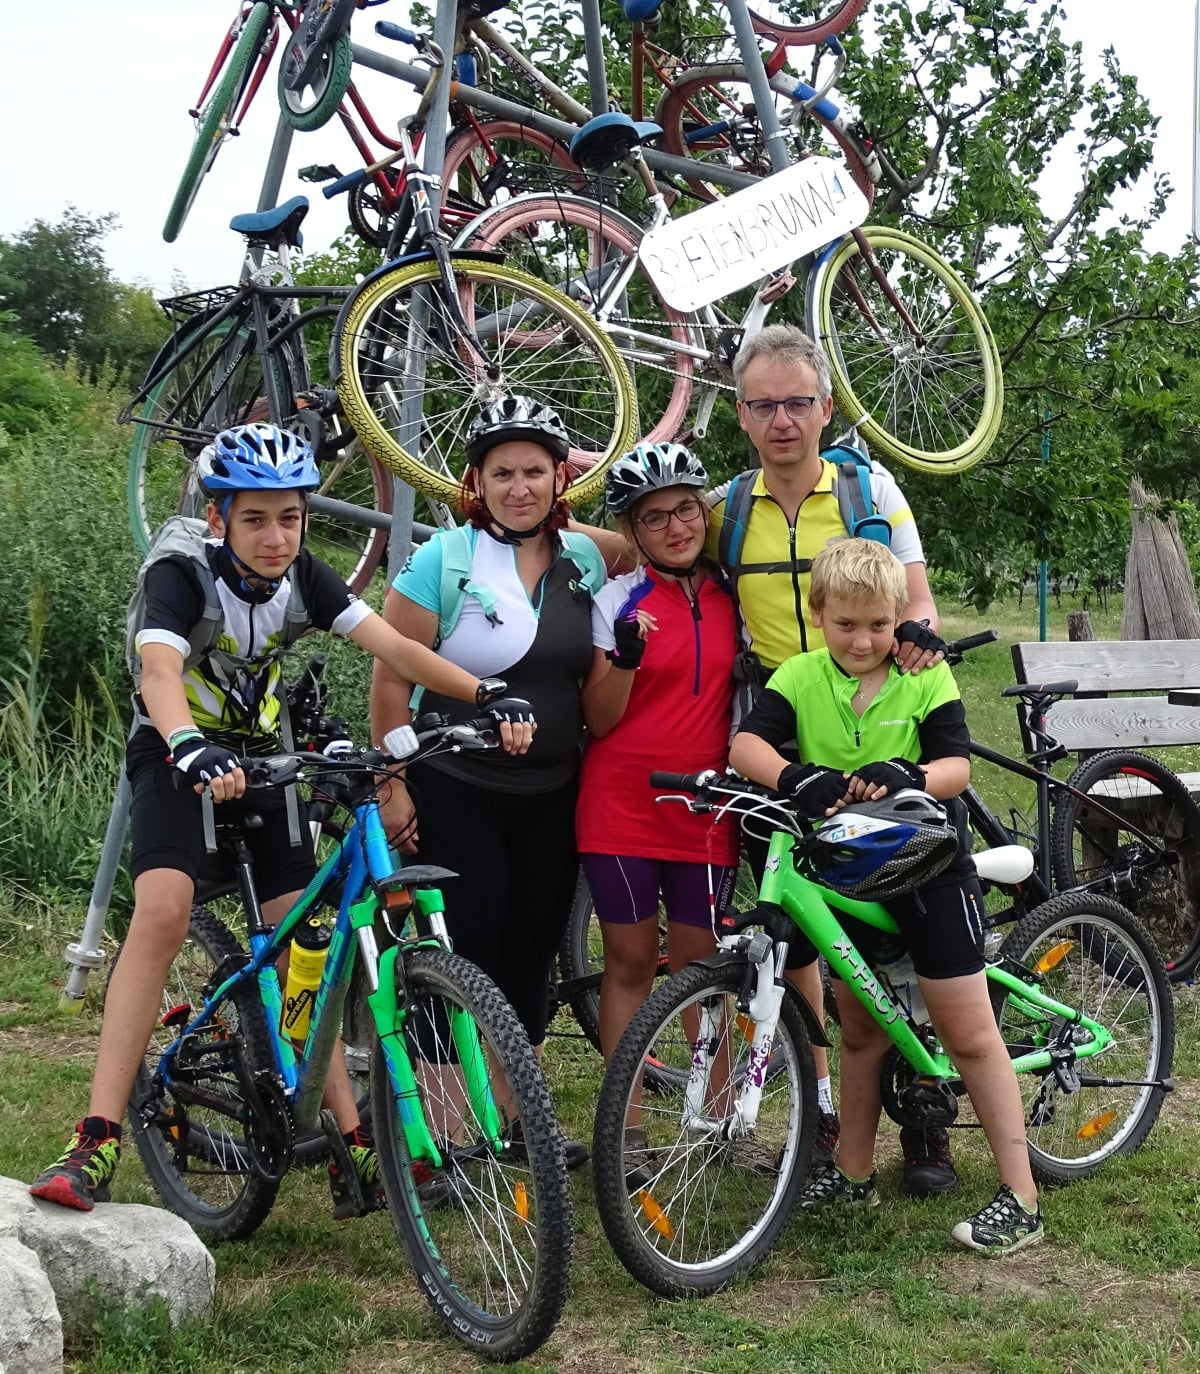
517, 417
880, 849
651, 467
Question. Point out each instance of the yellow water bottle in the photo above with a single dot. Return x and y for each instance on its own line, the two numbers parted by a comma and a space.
310, 945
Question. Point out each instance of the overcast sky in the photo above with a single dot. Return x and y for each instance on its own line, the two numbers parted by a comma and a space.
94, 106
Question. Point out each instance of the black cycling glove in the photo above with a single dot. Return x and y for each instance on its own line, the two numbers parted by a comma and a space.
515, 710
201, 762
918, 632
630, 646
810, 789
892, 774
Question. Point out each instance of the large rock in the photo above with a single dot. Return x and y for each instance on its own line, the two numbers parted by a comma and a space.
31, 1334
135, 1254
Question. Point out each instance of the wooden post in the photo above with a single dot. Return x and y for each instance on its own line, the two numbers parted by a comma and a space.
1079, 626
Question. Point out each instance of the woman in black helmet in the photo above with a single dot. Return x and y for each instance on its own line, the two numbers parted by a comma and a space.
510, 592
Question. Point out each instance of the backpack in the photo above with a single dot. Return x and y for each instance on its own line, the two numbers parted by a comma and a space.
851, 486
456, 583
184, 536
456, 574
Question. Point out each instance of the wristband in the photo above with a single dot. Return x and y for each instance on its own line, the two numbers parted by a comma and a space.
182, 735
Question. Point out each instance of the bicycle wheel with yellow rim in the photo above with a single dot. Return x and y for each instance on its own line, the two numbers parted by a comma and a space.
915, 367
411, 383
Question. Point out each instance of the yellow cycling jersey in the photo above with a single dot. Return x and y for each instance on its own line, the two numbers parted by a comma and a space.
772, 589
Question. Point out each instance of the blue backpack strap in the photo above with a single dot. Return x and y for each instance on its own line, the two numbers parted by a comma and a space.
457, 549
852, 486
582, 551
734, 520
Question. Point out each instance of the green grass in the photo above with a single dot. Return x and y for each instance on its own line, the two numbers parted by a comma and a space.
1116, 1285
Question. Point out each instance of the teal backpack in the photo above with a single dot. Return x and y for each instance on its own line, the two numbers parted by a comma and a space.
456, 584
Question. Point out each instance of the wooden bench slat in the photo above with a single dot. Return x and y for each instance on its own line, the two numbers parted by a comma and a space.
1099, 665
1122, 723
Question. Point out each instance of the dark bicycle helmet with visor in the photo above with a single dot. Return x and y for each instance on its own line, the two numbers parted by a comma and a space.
876, 850
516, 418
647, 468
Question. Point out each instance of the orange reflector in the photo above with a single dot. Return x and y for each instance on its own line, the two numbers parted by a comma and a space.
1053, 957
398, 899
656, 1216
746, 1026
1095, 1125
521, 1200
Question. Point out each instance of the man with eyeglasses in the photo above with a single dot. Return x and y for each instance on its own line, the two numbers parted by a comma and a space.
784, 402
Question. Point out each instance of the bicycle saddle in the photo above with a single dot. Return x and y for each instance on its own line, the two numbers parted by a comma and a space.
273, 227
1007, 864
610, 138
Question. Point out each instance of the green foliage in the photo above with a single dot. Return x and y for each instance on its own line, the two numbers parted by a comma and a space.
55, 282
34, 392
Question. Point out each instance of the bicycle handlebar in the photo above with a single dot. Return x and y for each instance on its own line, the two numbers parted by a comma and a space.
956, 649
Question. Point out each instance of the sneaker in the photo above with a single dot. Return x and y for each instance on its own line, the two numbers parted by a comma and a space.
1002, 1227
574, 1151
639, 1161
366, 1166
81, 1178
928, 1168
829, 1130
831, 1187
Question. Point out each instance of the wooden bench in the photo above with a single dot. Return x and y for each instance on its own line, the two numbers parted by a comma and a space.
1102, 715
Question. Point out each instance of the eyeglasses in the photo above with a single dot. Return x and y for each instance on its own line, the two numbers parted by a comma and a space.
795, 407
685, 511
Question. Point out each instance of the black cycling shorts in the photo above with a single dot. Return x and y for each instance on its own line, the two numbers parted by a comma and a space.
167, 826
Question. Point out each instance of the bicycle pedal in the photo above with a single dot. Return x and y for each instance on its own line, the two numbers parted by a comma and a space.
340, 1153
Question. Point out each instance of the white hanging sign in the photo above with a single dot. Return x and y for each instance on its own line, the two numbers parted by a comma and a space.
742, 238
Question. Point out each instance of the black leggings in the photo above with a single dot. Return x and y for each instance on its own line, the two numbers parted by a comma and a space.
515, 854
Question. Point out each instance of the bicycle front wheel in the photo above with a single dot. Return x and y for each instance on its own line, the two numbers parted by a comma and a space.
489, 1231
708, 114
1148, 857
1088, 952
192, 1139
701, 1203
216, 118
579, 246
802, 23
411, 382
915, 367
314, 103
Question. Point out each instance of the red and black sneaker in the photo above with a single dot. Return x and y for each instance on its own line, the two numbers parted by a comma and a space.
81, 1178
366, 1165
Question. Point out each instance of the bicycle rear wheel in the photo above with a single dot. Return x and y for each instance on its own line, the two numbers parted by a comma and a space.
1088, 952
577, 246
193, 1140
801, 23
528, 339
709, 115
1149, 859
698, 1206
489, 1232
210, 376
215, 119
915, 367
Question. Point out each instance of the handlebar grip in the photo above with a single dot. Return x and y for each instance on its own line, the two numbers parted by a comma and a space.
386, 29
343, 184
834, 44
960, 646
674, 782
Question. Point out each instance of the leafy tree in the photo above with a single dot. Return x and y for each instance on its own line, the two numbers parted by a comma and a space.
55, 282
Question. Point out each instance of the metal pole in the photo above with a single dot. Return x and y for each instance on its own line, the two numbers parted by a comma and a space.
760, 86
1043, 567
87, 954
268, 197
593, 49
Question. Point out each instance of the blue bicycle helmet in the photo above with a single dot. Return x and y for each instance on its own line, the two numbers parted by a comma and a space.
257, 457
651, 467
880, 849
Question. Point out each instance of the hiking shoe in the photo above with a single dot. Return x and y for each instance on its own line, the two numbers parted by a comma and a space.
832, 1187
829, 1130
366, 1166
638, 1159
574, 1151
928, 1168
1002, 1227
81, 1178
